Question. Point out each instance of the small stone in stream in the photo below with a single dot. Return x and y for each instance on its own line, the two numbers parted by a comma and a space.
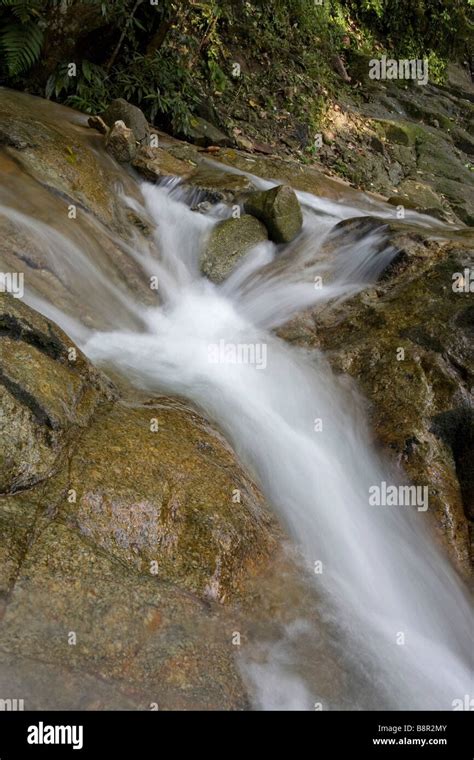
133, 118
96, 122
155, 163
229, 242
279, 210
219, 186
202, 208
121, 143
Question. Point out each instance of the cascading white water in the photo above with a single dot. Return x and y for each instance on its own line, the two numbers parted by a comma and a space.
381, 573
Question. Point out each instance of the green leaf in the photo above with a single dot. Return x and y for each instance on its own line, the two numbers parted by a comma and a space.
21, 45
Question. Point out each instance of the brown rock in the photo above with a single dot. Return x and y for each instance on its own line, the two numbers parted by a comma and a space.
47, 394
155, 163
121, 143
161, 502
96, 122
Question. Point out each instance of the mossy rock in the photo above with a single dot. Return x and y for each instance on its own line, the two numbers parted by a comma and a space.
279, 210
403, 133
203, 133
420, 197
229, 242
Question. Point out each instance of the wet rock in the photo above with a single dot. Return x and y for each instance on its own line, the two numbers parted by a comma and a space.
155, 486
415, 400
48, 392
203, 133
155, 163
53, 153
204, 207
419, 196
133, 118
121, 143
229, 242
147, 642
279, 210
306, 178
14, 140
96, 122
219, 186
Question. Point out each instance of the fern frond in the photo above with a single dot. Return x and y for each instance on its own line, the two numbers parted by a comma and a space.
21, 46
23, 10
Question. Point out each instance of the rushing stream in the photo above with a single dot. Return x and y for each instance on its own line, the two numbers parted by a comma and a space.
397, 603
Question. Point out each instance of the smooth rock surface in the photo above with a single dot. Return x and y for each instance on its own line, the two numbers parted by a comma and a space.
229, 242
279, 210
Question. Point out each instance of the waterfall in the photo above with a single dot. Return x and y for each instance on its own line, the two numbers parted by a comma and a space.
391, 596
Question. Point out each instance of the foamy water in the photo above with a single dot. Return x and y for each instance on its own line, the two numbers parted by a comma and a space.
300, 431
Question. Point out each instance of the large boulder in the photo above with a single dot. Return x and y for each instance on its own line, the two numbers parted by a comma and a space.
279, 210
48, 393
229, 242
57, 155
162, 492
104, 639
61, 190
133, 118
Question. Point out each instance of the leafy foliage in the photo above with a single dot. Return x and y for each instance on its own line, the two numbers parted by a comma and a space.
175, 58
419, 27
21, 36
